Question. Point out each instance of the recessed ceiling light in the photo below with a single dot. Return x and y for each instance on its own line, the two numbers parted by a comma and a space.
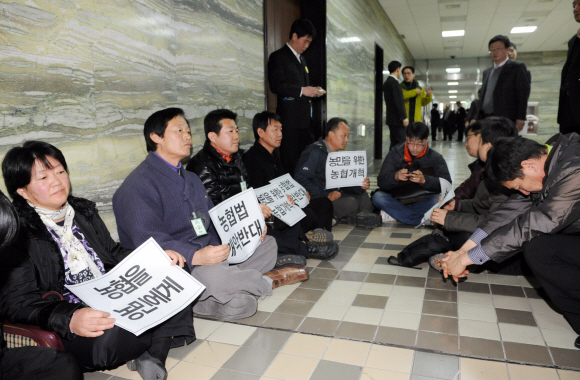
523, 29
453, 83
453, 70
452, 96
453, 33
453, 91
349, 39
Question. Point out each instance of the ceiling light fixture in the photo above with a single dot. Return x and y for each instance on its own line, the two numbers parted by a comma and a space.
453, 83
453, 70
453, 33
349, 39
452, 97
453, 91
523, 29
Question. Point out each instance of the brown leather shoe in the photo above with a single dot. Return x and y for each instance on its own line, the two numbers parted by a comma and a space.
288, 275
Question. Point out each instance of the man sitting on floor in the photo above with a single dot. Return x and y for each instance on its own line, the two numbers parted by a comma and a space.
219, 166
352, 202
468, 188
160, 200
543, 221
263, 164
409, 178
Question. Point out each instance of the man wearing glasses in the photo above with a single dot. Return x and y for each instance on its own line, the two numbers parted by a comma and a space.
506, 85
409, 178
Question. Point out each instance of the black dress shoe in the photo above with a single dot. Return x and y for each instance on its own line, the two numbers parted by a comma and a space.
577, 342
322, 251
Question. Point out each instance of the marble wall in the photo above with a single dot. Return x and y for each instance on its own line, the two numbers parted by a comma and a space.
546, 68
84, 75
351, 65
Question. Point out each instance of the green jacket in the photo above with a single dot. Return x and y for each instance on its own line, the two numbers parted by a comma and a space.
420, 100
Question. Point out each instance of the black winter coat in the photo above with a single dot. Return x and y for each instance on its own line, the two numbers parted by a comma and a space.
34, 266
221, 178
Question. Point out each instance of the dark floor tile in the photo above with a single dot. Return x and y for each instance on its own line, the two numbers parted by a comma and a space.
302, 294
481, 348
534, 293
319, 326
380, 278
347, 251
516, 317
441, 283
338, 265
328, 274
435, 365
446, 309
283, 321
373, 245
99, 376
315, 283
394, 247
506, 290
400, 235
417, 282
566, 358
438, 342
181, 352
352, 241
250, 360
396, 336
265, 339
434, 274
382, 261
440, 295
343, 258
359, 231
332, 370
358, 331
351, 276
224, 374
527, 353
473, 287
256, 319
438, 324
295, 307
365, 300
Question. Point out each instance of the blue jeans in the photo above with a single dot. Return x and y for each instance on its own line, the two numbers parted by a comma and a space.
408, 214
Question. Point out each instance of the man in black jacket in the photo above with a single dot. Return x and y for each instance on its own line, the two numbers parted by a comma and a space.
568, 110
506, 86
396, 114
263, 164
289, 80
219, 166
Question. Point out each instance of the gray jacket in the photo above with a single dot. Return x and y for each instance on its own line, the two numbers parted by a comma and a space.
554, 210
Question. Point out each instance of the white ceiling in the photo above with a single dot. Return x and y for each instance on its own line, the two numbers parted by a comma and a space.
420, 23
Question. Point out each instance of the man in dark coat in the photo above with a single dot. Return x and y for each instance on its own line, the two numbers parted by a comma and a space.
435, 121
397, 119
506, 86
568, 110
289, 80
460, 121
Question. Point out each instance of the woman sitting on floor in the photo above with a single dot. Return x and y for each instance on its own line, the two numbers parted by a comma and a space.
62, 241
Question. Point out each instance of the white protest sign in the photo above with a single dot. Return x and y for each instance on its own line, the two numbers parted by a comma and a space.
239, 223
272, 196
141, 291
447, 194
345, 169
290, 187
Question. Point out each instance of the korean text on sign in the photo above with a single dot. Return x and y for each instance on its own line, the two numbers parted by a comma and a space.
289, 186
345, 169
273, 197
142, 291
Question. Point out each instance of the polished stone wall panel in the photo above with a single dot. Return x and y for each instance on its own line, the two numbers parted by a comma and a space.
351, 65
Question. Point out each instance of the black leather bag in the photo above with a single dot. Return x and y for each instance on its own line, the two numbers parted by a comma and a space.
420, 250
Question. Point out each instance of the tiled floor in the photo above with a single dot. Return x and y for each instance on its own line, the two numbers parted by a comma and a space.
359, 318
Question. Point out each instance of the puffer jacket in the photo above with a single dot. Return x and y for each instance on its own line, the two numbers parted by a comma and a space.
33, 266
221, 179
553, 210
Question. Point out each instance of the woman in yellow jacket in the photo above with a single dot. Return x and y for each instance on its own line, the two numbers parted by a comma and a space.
415, 96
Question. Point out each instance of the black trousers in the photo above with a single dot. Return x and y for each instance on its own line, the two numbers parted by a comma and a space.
555, 262
460, 129
318, 215
293, 143
117, 346
398, 134
39, 363
289, 240
434, 128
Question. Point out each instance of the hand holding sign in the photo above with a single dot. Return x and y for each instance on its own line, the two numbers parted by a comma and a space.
211, 255
90, 323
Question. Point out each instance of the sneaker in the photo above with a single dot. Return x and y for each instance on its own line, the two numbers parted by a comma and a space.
386, 217
436, 262
322, 251
364, 220
320, 235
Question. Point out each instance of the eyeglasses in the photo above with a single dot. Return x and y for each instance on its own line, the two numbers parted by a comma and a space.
496, 49
417, 144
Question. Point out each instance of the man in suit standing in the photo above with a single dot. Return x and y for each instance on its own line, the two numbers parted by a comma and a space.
568, 110
460, 120
435, 121
397, 119
506, 86
289, 80
513, 55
